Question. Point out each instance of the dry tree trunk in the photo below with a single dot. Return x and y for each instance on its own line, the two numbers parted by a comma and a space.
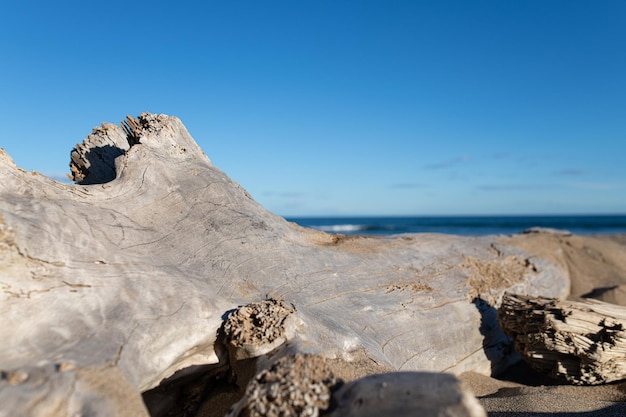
581, 342
126, 277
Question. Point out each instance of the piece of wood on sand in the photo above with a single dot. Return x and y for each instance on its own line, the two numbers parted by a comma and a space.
583, 342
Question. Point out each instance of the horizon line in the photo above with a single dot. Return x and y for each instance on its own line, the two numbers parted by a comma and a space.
348, 216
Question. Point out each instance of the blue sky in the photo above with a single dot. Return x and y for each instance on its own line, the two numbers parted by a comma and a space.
341, 107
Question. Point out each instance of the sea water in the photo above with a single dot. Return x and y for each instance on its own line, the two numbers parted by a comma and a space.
464, 225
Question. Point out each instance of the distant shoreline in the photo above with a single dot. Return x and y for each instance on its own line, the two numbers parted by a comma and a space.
479, 225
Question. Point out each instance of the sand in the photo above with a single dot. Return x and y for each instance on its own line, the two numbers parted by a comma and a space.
523, 393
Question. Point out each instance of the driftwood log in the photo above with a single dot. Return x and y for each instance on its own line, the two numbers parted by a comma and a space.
583, 342
128, 278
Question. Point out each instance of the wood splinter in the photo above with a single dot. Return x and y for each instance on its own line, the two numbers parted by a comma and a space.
133, 129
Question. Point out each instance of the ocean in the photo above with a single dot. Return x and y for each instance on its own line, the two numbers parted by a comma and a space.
464, 225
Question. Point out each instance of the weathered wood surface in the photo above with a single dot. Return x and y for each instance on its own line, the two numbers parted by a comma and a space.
130, 273
407, 394
582, 342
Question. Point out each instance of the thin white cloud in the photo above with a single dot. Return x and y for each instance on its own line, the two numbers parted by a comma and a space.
408, 185
570, 172
514, 187
283, 194
599, 186
291, 194
447, 164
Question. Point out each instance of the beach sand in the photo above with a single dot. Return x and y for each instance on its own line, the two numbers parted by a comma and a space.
521, 392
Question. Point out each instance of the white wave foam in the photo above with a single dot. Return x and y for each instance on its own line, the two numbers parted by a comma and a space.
335, 228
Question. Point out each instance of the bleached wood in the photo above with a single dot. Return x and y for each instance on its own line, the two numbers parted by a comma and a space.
135, 268
582, 342
407, 394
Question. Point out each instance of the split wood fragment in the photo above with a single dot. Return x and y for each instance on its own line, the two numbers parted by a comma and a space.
582, 342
